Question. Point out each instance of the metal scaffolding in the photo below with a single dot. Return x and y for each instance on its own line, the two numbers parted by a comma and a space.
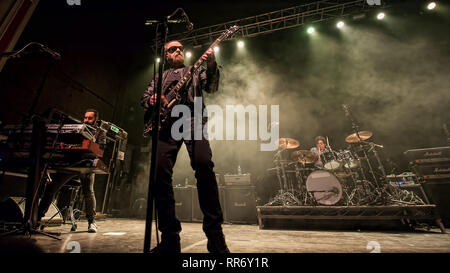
277, 20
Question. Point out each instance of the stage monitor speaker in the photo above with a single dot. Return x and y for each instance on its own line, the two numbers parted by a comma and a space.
183, 203
12, 212
239, 204
438, 191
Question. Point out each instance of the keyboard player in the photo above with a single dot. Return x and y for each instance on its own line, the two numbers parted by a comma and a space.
91, 117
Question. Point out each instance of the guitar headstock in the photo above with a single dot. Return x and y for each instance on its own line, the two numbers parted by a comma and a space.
228, 33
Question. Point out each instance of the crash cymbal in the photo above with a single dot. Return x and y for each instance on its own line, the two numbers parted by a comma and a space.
305, 156
363, 135
288, 143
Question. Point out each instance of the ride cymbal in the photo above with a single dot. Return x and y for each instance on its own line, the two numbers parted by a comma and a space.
363, 135
288, 143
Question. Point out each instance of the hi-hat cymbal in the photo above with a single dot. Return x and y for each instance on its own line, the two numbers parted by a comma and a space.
363, 135
305, 156
288, 143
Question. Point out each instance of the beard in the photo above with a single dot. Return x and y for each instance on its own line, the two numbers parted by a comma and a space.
178, 60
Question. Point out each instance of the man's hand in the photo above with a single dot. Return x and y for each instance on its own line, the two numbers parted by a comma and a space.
209, 58
153, 100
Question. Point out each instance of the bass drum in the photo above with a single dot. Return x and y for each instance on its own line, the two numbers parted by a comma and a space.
324, 186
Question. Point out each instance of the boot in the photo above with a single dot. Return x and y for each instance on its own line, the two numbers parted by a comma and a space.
170, 243
217, 244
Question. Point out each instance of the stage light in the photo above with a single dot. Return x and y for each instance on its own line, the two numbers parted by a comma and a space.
216, 49
158, 60
310, 30
188, 54
380, 15
431, 5
240, 44
340, 24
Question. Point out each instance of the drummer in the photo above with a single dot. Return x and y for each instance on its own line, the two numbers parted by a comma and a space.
319, 150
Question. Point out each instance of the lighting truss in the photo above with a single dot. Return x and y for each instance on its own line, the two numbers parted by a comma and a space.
277, 20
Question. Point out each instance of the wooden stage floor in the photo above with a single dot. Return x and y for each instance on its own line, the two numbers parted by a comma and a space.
122, 235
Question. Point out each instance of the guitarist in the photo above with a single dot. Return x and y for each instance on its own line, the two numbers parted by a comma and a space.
199, 153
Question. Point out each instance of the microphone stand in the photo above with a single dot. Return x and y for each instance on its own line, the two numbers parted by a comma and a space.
155, 137
37, 168
156, 121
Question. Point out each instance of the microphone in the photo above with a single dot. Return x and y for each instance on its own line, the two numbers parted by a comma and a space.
54, 54
169, 20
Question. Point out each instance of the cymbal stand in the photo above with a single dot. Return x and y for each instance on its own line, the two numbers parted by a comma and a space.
360, 140
354, 191
281, 178
303, 195
331, 150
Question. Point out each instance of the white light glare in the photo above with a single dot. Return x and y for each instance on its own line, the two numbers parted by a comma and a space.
310, 30
158, 60
216, 49
380, 15
431, 5
188, 54
340, 24
240, 44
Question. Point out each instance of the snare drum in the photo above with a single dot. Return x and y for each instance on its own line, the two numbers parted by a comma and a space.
324, 186
330, 160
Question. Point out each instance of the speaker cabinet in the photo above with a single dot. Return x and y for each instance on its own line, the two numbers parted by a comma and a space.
239, 204
197, 214
183, 203
438, 191
12, 211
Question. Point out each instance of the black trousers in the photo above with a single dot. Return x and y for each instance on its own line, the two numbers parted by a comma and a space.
201, 161
59, 180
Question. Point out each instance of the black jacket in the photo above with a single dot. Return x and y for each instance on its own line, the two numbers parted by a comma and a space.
203, 80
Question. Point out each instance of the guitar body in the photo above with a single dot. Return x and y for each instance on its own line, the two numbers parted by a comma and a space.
166, 109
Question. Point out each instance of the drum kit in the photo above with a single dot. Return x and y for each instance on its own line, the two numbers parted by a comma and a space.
344, 177
351, 177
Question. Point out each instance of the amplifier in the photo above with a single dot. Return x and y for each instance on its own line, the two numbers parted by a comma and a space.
428, 155
183, 203
239, 204
438, 192
237, 179
436, 177
431, 169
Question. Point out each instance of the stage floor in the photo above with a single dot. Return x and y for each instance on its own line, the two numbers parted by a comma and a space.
121, 235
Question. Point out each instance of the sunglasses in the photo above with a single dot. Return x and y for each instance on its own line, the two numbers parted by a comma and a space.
172, 49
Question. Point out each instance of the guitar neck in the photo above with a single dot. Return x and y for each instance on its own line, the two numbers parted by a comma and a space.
189, 74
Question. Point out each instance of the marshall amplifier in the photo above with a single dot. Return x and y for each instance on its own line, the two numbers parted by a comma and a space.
197, 214
183, 203
432, 170
428, 155
237, 179
239, 204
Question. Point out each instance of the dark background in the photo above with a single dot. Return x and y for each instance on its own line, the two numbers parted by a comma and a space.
392, 73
